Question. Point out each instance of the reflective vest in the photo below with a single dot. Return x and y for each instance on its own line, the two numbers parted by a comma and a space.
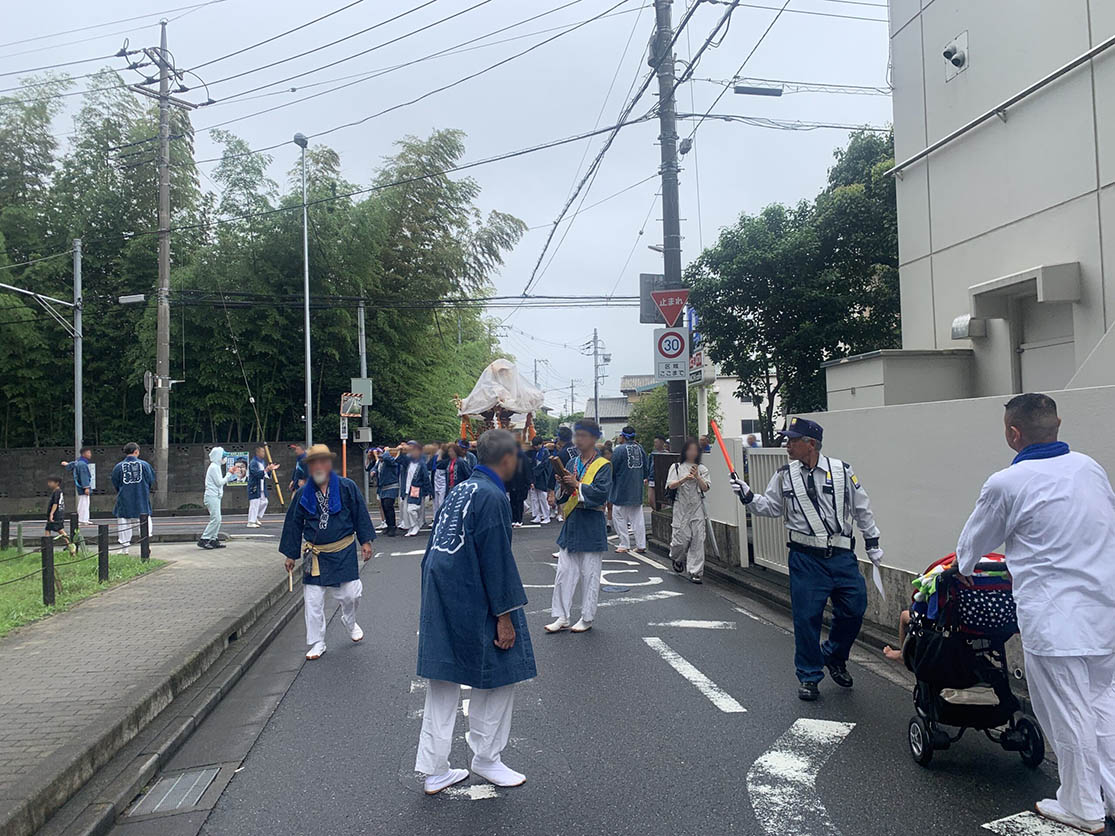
821, 536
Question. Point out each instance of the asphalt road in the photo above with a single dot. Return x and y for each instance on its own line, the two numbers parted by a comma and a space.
656, 721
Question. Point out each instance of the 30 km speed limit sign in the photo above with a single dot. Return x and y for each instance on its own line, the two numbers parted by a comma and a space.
671, 354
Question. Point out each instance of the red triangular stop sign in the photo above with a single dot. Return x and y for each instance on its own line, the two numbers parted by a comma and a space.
670, 304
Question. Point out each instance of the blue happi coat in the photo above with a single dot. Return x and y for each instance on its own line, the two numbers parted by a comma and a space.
387, 476
469, 579
585, 529
257, 478
134, 479
543, 477
630, 466
83, 478
422, 480
299, 473
345, 514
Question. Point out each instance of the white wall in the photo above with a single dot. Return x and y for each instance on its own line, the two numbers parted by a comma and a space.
923, 464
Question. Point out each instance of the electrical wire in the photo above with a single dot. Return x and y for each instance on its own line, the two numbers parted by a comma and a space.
785, 124
298, 28
121, 54
638, 238
35, 260
107, 23
602, 200
806, 12
788, 87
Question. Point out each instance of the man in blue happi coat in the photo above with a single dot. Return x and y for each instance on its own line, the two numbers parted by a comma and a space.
542, 482
258, 472
386, 467
325, 521
414, 485
298, 475
630, 471
473, 631
83, 482
133, 479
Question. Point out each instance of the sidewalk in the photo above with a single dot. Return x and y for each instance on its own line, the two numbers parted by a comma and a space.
77, 686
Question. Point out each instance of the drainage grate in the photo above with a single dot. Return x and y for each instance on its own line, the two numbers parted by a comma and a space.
176, 792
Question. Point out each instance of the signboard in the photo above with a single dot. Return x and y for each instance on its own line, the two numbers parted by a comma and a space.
670, 304
361, 386
344, 428
350, 404
648, 311
697, 366
237, 463
671, 354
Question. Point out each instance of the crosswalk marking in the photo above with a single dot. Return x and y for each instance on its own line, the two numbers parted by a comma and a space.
782, 782
695, 624
1029, 824
716, 695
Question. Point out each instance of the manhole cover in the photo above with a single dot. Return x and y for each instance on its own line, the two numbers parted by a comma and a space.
610, 588
176, 792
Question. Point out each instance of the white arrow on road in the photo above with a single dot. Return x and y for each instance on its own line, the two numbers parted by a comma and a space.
782, 782
1029, 824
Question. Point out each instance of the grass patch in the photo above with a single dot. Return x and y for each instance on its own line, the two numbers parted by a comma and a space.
21, 602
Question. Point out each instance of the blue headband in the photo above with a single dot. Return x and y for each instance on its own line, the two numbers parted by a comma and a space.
593, 431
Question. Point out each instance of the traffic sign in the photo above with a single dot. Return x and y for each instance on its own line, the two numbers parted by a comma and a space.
697, 366
671, 354
670, 303
648, 311
344, 428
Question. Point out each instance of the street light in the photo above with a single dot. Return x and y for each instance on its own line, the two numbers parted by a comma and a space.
301, 141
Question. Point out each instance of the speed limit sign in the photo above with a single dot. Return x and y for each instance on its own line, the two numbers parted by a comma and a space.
671, 354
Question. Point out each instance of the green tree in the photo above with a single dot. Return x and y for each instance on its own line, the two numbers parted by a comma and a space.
783, 291
650, 414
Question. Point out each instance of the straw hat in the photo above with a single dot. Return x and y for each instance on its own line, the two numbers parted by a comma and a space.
319, 451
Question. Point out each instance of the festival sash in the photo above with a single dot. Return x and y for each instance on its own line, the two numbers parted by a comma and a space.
585, 479
312, 550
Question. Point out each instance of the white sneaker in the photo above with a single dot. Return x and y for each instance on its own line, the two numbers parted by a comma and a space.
436, 783
124, 550
317, 651
581, 626
356, 633
1051, 809
499, 774
556, 626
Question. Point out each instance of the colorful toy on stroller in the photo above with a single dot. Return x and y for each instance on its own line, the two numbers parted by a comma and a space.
955, 646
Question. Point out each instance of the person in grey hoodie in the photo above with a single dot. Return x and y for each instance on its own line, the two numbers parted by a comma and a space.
215, 481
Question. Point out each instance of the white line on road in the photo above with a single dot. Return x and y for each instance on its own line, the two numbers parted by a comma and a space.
1029, 824
696, 625
761, 620
472, 792
782, 782
407, 554
627, 599
717, 695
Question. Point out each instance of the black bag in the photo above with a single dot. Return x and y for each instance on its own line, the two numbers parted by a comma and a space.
943, 660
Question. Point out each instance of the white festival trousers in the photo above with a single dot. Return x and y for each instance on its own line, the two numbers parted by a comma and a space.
410, 516
346, 594
256, 509
83, 509
125, 527
489, 725
571, 568
539, 503
1074, 701
630, 515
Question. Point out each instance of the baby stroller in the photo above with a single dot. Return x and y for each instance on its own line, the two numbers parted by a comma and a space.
956, 648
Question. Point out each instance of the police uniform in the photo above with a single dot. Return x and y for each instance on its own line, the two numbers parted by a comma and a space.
819, 506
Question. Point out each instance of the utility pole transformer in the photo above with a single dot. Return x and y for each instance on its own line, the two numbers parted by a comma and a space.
676, 390
79, 429
162, 332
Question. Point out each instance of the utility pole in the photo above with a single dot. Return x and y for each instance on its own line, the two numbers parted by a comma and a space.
79, 429
570, 397
363, 373
676, 390
536, 373
162, 330
595, 376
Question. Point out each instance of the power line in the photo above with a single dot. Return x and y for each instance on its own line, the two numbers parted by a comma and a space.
602, 200
801, 86
92, 26
638, 238
806, 12
785, 124
276, 37
122, 53
36, 260
429, 93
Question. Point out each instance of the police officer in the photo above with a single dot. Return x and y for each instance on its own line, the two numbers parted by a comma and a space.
818, 497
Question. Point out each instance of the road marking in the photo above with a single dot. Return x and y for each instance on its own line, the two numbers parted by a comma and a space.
696, 625
761, 620
1029, 823
472, 792
418, 685
538, 586
782, 782
626, 599
604, 579
717, 695
646, 560
406, 554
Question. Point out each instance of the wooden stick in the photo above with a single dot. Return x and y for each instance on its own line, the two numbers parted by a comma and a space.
275, 479
290, 580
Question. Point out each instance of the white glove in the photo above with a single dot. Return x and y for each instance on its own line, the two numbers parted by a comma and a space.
875, 556
740, 487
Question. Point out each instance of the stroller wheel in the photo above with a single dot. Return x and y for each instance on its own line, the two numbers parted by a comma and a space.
921, 742
1033, 747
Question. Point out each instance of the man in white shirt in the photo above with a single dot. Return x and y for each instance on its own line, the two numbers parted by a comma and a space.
1055, 511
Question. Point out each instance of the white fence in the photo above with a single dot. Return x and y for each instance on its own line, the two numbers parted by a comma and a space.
768, 534
720, 501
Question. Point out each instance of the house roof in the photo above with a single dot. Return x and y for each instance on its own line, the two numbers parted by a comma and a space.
610, 408
634, 382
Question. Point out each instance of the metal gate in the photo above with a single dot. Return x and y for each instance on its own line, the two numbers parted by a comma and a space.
768, 534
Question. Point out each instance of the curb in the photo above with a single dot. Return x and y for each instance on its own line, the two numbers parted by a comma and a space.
63, 774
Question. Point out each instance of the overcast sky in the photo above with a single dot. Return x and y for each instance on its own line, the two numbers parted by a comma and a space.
557, 90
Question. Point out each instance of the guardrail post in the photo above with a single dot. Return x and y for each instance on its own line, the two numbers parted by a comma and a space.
73, 526
102, 553
19, 536
5, 532
48, 571
144, 537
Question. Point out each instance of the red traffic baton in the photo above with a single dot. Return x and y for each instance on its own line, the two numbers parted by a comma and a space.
723, 449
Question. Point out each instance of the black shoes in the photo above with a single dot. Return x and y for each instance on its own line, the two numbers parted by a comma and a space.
839, 673
205, 544
808, 691
216, 544
393, 531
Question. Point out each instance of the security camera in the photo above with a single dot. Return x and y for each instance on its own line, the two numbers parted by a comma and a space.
955, 55
950, 51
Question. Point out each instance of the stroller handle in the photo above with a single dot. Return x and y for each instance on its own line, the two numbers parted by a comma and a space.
982, 566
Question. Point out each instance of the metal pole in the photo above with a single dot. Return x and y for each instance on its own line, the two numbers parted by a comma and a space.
306, 302
162, 329
102, 553
363, 336
671, 221
47, 549
144, 537
595, 377
79, 430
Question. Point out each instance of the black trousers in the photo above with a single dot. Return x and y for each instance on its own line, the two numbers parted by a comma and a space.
517, 500
387, 504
